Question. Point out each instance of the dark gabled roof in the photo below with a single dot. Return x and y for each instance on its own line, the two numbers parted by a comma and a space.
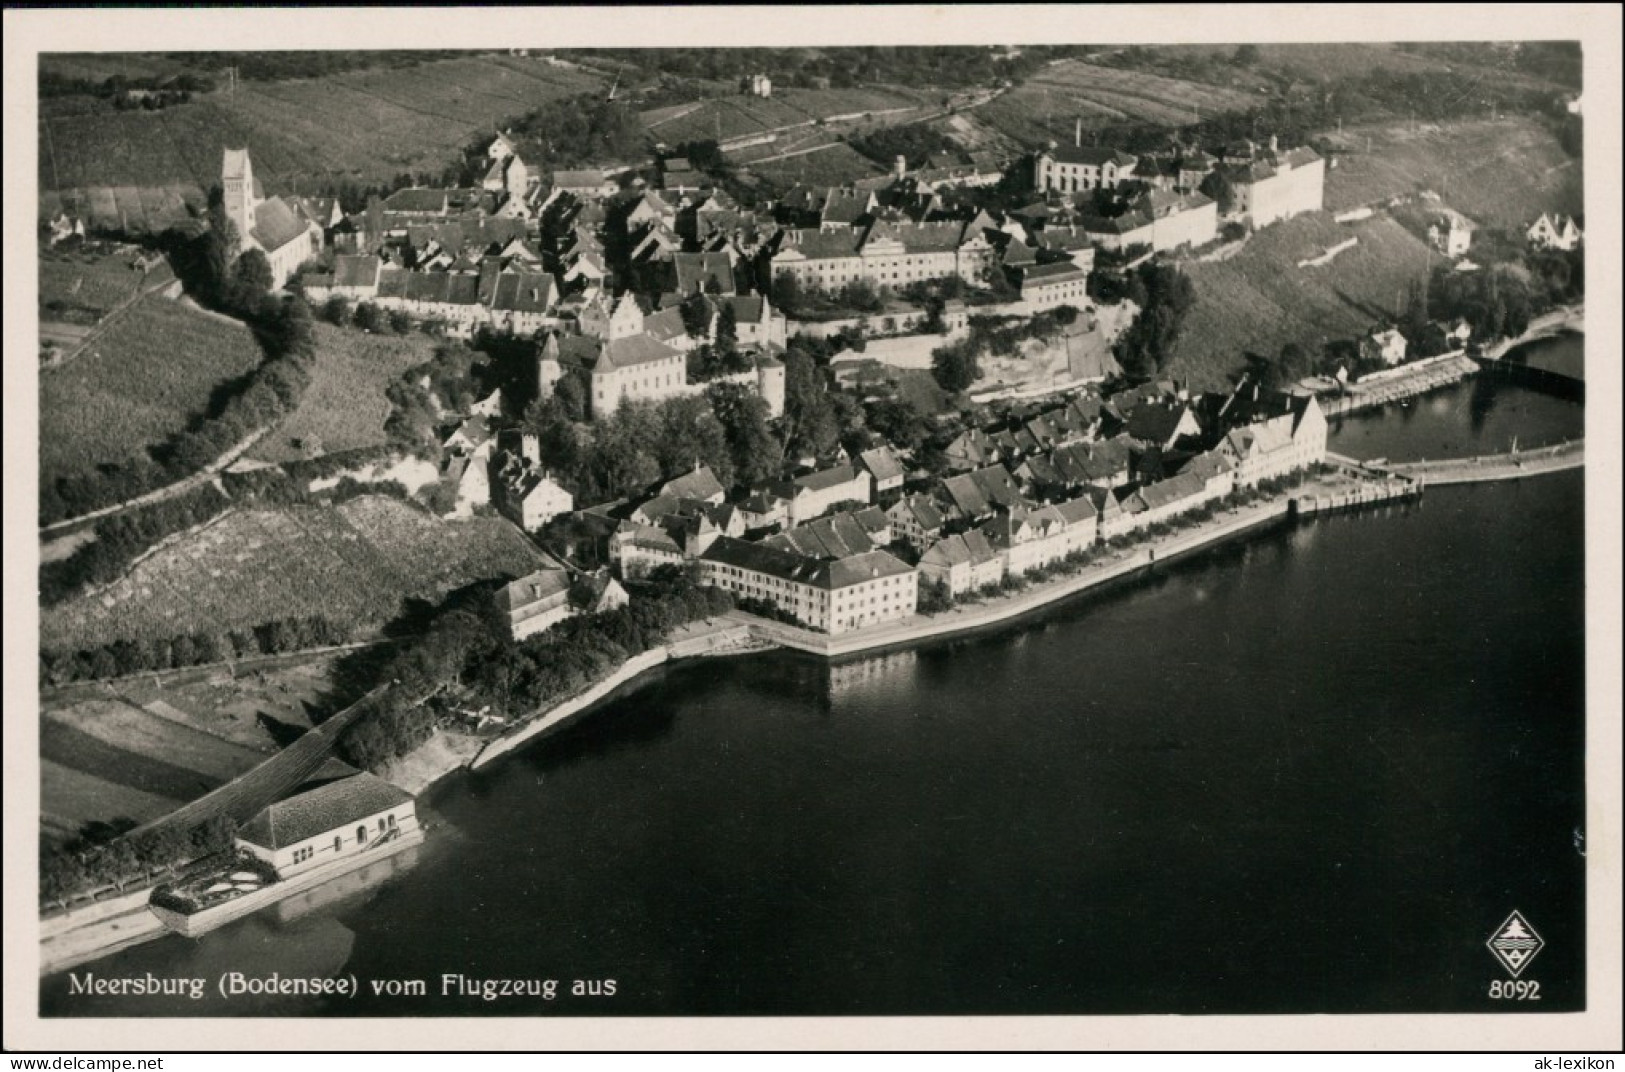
276, 224
321, 809
1170, 491
638, 350
523, 292
839, 536
700, 483
882, 463
825, 479
818, 245
865, 567
844, 206
545, 585
355, 271
417, 200
1093, 155
695, 270
978, 492
1052, 273
924, 511
918, 237
1155, 422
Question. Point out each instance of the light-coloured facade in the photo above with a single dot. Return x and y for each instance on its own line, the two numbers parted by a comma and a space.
835, 597
328, 822
1070, 169
1279, 445
1279, 185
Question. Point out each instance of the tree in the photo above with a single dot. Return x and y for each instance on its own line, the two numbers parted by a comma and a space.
954, 366
696, 313
743, 415
809, 424
399, 322
727, 328
336, 311
1217, 186
250, 281
368, 317
1245, 56
787, 294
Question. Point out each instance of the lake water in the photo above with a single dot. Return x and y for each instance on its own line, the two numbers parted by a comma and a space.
1310, 771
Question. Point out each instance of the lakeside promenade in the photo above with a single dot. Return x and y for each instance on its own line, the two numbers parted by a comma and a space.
1509, 466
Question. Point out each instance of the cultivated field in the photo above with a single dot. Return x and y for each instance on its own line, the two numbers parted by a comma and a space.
833, 166
82, 289
353, 564
1501, 173
1049, 104
137, 749
154, 368
735, 116
344, 408
1259, 300
139, 169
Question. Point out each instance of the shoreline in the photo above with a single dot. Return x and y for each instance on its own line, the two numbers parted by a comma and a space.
1564, 318
437, 760
446, 754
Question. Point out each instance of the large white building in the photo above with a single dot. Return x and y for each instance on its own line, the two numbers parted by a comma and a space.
890, 254
1292, 439
832, 596
1278, 185
1073, 169
280, 229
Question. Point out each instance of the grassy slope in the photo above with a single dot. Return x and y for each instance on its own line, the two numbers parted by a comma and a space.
153, 370
1501, 173
353, 563
1259, 300
345, 407
370, 125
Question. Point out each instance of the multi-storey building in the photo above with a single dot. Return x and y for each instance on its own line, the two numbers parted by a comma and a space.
834, 596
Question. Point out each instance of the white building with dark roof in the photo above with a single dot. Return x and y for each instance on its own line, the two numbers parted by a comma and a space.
339, 813
832, 595
536, 602
275, 227
1071, 169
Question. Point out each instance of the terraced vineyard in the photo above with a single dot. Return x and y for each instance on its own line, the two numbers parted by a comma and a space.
1049, 104
344, 407
1259, 301
353, 564
155, 367
1501, 173
140, 170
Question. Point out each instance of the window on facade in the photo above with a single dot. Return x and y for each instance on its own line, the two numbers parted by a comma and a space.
361, 835
338, 843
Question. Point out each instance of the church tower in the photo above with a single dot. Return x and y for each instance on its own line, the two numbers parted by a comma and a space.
237, 186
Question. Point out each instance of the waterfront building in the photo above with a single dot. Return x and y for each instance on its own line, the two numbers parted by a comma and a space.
1293, 437
916, 520
338, 813
962, 563
834, 596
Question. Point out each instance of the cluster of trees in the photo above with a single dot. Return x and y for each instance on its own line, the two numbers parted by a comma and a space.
122, 537
369, 317
452, 380
706, 363
83, 866
1147, 347
579, 129
123, 657
468, 657
842, 68
121, 89
913, 141
632, 448
796, 299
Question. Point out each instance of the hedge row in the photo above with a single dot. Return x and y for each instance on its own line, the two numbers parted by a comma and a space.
124, 657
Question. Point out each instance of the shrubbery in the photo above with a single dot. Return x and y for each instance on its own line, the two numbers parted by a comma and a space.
78, 868
123, 657
467, 650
